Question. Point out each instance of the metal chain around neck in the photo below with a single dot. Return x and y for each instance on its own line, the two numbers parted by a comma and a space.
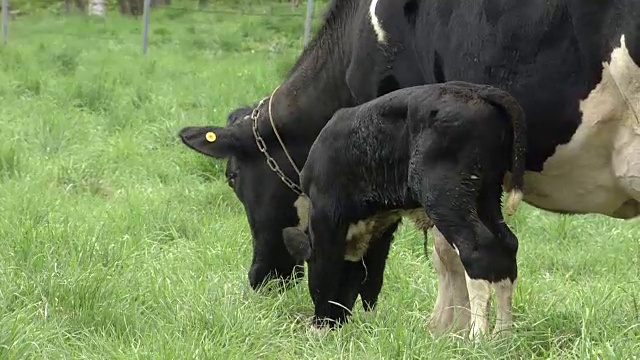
271, 162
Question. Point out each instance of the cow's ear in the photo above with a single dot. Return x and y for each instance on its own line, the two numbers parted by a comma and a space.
217, 142
297, 243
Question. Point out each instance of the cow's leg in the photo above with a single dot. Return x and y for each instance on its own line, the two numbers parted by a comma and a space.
374, 263
425, 233
451, 309
326, 264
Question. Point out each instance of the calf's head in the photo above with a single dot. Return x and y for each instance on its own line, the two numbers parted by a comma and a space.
267, 201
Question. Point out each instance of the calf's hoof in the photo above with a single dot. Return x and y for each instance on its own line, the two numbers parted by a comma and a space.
325, 324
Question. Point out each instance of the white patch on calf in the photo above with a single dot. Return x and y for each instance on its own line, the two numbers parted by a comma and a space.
375, 22
302, 205
480, 304
360, 234
598, 171
504, 294
420, 219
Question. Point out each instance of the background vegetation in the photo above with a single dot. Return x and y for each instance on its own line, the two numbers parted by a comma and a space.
118, 242
126, 6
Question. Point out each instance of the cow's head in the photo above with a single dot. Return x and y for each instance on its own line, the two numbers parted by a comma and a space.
267, 201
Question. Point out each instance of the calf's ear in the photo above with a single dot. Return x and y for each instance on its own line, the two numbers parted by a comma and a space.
297, 243
217, 142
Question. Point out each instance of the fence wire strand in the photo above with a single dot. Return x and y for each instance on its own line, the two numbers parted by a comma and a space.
229, 12
309, 17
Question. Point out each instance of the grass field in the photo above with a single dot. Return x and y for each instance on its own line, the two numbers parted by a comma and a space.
119, 242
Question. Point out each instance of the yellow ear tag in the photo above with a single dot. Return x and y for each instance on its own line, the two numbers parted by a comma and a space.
211, 136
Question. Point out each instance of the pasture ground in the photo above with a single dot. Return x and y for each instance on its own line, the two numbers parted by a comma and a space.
119, 242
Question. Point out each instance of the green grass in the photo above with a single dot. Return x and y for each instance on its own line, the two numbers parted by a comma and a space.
118, 242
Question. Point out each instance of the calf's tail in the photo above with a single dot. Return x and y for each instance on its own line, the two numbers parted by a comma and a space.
515, 113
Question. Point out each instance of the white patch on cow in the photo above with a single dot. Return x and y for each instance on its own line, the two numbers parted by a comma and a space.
598, 171
375, 22
480, 303
504, 294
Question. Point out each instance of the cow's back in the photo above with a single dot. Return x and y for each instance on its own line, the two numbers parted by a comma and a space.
574, 67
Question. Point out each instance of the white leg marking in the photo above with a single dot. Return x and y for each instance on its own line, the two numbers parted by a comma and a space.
451, 309
504, 294
480, 300
377, 26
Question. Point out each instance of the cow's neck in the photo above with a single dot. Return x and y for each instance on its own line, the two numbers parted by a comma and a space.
309, 98
316, 86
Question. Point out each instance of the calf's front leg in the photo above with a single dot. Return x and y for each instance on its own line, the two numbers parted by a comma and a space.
374, 263
326, 267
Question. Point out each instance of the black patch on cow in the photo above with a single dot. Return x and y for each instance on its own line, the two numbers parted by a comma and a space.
493, 10
438, 71
411, 12
444, 11
388, 84
633, 44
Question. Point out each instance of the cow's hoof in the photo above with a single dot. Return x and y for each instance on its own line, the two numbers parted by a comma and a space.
501, 332
478, 332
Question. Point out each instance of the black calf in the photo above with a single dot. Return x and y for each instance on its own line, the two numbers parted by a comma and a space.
439, 149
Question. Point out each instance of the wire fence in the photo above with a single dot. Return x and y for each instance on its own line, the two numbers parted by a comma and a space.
146, 23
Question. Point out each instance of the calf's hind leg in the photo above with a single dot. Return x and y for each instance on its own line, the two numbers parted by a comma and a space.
486, 247
500, 256
487, 263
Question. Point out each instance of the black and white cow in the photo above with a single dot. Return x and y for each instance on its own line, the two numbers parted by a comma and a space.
572, 65
440, 149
